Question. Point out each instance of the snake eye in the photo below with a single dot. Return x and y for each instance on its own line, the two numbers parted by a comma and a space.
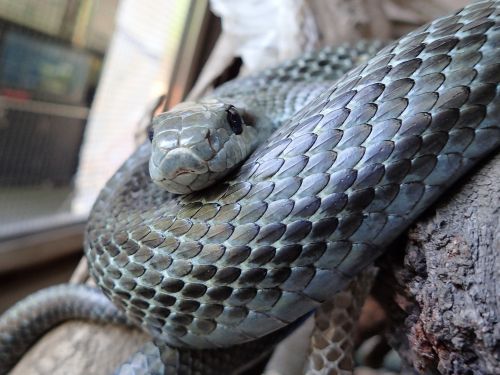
235, 120
150, 133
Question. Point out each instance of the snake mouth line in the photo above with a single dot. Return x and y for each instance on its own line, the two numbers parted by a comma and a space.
184, 171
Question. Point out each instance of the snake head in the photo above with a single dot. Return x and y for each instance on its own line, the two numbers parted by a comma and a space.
197, 143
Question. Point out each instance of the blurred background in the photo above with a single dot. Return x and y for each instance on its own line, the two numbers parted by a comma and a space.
78, 82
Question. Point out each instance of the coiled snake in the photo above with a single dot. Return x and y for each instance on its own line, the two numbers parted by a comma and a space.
218, 272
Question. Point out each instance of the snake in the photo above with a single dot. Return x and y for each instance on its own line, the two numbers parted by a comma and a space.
252, 206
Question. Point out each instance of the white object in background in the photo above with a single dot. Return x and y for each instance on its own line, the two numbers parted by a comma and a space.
263, 32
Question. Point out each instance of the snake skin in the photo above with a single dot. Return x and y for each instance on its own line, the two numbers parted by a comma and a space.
159, 358
25, 322
147, 361
325, 65
312, 207
332, 346
315, 204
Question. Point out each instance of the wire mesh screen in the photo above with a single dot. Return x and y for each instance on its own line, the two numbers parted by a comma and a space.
38, 148
49, 68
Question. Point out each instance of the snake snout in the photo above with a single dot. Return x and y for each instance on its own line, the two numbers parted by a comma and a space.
182, 161
179, 168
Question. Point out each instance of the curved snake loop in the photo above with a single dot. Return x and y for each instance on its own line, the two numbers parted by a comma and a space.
312, 206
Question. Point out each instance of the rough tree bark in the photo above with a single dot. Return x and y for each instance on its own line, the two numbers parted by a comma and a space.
441, 292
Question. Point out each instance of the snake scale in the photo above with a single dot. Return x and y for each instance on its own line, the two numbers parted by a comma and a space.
218, 275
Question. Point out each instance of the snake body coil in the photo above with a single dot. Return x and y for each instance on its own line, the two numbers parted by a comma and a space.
314, 204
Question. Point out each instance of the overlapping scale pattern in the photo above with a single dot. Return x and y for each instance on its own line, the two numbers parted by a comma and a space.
315, 204
332, 344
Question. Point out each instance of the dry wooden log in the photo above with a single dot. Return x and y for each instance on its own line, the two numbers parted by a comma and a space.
441, 292
81, 348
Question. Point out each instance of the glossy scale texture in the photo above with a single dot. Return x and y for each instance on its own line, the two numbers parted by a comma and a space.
315, 204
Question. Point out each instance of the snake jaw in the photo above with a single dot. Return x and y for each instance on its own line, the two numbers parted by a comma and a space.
177, 170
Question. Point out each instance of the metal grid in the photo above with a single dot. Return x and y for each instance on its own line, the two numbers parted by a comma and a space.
49, 68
